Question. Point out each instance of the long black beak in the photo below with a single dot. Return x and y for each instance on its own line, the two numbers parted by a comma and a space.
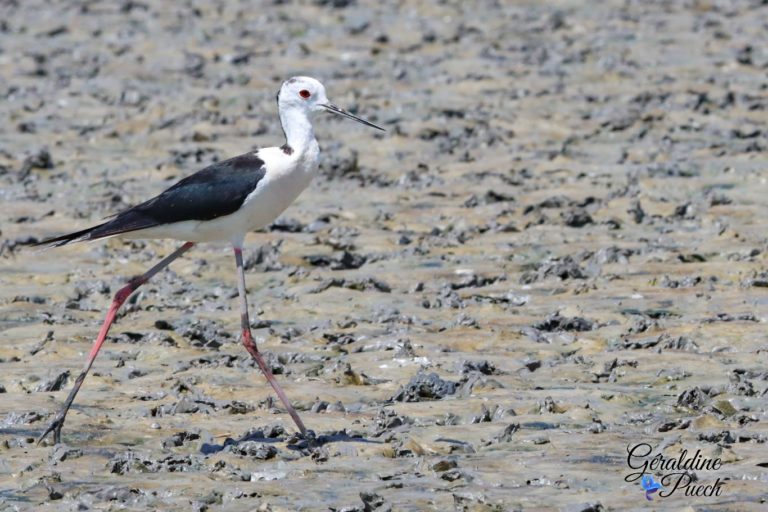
330, 107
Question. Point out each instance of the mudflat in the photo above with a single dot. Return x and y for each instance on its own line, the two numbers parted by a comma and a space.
555, 256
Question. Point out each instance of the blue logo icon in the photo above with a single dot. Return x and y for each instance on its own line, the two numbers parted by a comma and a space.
650, 486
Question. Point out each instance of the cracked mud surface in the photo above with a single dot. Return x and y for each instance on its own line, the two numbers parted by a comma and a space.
558, 249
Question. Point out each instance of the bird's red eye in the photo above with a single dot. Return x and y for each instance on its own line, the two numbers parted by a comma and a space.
304, 93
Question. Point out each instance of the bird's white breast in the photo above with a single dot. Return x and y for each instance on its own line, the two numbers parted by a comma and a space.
286, 177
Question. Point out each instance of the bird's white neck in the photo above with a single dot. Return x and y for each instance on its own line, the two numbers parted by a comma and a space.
299, 135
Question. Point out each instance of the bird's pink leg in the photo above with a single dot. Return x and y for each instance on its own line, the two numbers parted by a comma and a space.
120, 297
250, 344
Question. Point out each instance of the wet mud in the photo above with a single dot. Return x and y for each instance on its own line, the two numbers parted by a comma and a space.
556, 251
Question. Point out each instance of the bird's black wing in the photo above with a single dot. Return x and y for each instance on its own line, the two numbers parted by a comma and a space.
219, 189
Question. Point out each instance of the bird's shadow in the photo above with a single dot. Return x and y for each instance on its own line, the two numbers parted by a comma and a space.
19, 432
298, 444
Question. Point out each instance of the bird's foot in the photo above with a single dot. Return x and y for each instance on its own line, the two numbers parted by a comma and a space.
311, 438
55, 427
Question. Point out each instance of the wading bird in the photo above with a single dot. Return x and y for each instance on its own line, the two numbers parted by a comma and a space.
222, 202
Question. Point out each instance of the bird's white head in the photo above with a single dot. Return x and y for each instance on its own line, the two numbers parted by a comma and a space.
302, 93
307, 95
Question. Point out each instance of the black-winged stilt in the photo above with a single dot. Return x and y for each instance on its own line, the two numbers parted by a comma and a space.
222, 202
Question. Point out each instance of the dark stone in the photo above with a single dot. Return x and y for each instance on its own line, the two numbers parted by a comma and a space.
55, 384
505, 436
253, 449
286, 225
40, 160
373, 502
180, 439
577, 218
694, 398
562, 268
360, 284
556, 322
484, 367
62, 452
425, 387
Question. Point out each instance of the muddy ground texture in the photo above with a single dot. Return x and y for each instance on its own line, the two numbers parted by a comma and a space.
557, 249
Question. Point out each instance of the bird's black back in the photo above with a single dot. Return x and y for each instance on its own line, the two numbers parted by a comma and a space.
218, 190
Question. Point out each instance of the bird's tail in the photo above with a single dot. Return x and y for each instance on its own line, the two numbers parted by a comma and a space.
130, 220
77, 236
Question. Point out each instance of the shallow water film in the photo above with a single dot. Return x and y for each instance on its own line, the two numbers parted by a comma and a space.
542, 284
